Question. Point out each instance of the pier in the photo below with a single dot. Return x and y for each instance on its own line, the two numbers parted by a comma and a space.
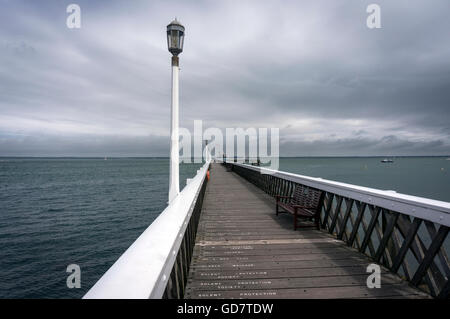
243, 250
221, 238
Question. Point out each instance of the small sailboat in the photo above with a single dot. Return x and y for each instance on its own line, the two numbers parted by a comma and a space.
105, 158
387, 160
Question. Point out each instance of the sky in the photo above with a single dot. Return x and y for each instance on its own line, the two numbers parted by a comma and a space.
313, 69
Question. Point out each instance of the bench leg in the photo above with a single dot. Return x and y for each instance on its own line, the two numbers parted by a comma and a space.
295, 218
316, 220
276, 209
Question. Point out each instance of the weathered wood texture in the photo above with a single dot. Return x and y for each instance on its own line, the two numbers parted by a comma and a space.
243, 250
415, 249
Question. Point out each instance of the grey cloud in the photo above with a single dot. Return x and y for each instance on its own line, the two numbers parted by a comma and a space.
387, 146
252, 63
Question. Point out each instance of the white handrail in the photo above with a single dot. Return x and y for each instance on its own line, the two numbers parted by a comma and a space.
424, 208
144, 268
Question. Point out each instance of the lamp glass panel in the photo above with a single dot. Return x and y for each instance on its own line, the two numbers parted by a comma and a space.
181, 40
175, 39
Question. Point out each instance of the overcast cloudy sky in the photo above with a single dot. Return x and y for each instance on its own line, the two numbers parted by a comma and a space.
311, 68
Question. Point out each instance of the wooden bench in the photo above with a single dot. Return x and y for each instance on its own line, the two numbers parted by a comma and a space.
305, 203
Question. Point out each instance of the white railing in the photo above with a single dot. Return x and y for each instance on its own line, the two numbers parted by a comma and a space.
144, 269
407, 234
428, 209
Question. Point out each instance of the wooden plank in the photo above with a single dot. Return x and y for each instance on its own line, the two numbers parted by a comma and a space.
264, 241
277, 258
397, 290
445, 263
273, 253
361, 209
327, 203
337, 212
436, 244
386, 235
257, 232
343, 224
279, 248
222, 237
278, 273
243, 250
368, 235
286, 283
251, 264
406, 244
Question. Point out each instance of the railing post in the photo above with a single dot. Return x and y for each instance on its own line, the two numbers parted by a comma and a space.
391, 251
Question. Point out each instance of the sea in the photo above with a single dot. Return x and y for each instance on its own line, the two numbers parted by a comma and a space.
55, 212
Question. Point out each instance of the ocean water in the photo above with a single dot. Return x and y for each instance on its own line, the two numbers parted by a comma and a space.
420, 176
56, 212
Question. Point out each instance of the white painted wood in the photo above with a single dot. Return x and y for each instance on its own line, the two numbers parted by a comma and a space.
144, 268
174, 178
425, 208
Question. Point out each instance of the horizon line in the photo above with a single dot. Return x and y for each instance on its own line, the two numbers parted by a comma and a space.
294, 156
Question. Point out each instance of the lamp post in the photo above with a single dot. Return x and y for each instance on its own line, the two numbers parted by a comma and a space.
175, 39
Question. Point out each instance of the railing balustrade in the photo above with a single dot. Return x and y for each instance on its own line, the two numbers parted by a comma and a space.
406, 234
157, 264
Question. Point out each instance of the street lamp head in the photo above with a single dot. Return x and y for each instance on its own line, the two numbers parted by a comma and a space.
175, 37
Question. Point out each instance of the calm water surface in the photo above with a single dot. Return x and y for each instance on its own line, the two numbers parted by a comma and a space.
55, 212
420, 176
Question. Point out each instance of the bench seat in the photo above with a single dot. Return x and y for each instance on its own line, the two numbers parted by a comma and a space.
305, 203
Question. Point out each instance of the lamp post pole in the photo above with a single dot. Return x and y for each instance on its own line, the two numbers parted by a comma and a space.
175, 39
174, 182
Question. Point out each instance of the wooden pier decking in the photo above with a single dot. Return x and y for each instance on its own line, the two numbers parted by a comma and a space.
243, 250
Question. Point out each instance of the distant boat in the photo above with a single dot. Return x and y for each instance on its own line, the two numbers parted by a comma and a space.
387, 160
105, 158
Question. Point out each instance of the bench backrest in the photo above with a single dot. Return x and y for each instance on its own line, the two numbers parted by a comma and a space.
307, 197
